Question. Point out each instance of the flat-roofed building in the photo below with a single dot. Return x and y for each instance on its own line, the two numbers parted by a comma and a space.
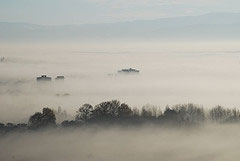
44, 78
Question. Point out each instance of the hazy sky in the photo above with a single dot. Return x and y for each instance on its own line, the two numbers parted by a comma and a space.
95, 11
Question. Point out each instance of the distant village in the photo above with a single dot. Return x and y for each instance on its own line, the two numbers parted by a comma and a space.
130, 70
46, 78
125, 71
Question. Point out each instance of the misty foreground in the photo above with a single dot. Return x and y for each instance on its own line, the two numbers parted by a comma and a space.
148, 143
114, 131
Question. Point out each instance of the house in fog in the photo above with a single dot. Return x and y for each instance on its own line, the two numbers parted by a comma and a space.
59, 78
44, 78
130, 70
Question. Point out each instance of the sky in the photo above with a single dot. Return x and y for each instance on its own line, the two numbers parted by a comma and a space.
63, 12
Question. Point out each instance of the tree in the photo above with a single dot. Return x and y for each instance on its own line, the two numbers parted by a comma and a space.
106, 110
44, 119
124, 111
84, 113
111, 110
189, 113
149, 111
49, 117
218, 114
221, 115
170, 115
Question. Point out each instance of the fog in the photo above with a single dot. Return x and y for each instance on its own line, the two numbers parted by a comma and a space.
215, 143
204, 73
170, 73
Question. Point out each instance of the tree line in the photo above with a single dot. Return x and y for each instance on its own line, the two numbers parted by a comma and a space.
117, 113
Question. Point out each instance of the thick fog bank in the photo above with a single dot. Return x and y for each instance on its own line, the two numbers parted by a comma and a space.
208, 143
205, 73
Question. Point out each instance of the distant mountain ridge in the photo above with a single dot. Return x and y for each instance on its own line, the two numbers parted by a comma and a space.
208, 26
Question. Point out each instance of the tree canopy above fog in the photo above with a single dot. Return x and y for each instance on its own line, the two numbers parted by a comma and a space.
116, 113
